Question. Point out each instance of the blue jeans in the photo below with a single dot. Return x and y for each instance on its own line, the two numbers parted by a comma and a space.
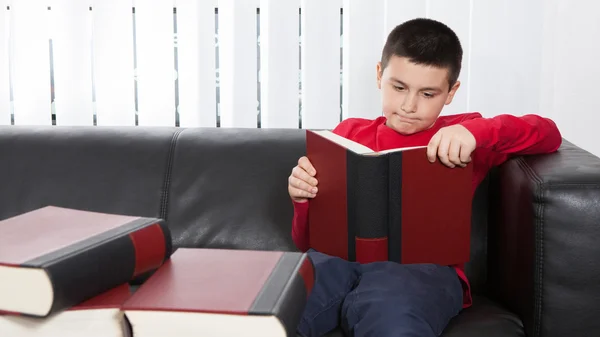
380, 299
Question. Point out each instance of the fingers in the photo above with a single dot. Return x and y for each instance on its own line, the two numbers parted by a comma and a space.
465, 156
443, 150
300, 194
454, 153
302, 175
300, 189
307, 166
432, 147
451, 146
302, 183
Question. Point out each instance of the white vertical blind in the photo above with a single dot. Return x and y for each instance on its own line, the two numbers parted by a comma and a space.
399, 11
456, 15
113, 62
571, 70
238, 63
279, 70
72, 60
550, 50
155, 62
505, 56
196, 63
362, 43
4, 70
320, 63
31, 41
518, 59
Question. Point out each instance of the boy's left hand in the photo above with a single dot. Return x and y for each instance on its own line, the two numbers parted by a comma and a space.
453, 145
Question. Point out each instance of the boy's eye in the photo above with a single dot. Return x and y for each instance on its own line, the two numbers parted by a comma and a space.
428, 95
398, 87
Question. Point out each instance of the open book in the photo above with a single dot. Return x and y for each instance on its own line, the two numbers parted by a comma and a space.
358, 148
387, 205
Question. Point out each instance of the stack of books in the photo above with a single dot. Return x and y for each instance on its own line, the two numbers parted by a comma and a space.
67, 272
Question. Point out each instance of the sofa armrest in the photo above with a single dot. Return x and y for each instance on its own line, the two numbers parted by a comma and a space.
545, 241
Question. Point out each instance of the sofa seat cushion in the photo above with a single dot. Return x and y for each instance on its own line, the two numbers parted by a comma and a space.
484, 318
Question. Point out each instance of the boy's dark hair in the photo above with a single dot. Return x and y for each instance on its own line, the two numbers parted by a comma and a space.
425, 41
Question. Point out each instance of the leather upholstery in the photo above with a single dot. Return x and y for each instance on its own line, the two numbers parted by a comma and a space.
119, 170
545, 238
227, 188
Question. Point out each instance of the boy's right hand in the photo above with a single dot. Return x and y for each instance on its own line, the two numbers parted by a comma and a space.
302, 183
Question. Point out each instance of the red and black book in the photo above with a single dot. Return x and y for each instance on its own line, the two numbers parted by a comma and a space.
99, 316
391, 205
54, 258
220, 292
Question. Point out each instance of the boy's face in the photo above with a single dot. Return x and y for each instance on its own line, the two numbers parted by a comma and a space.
413, 95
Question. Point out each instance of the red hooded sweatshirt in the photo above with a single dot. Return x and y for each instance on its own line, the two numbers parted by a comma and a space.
497, 138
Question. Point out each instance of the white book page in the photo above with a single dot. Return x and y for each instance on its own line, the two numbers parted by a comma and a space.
347, 143
401, 149
357, 147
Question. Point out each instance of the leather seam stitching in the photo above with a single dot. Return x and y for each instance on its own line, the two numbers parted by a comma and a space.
539, 244
540, 257
167, 177
580, 185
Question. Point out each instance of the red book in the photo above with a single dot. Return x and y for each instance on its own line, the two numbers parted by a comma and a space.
392, 205
219, 292
54, 258
99, 316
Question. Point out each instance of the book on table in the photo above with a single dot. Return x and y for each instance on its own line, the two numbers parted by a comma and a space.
223, 293
387, 205
53, 258
99, 316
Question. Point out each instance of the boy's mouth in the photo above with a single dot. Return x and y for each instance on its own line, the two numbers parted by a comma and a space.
405, 119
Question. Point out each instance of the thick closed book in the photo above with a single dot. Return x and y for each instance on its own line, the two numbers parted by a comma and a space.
392, 205
223, 293
100, 316
54, 258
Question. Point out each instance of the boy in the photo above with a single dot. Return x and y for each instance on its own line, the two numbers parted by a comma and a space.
417, 76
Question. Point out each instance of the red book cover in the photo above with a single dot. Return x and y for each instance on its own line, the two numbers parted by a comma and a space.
391, 205
220, 292
99, 316
53, 258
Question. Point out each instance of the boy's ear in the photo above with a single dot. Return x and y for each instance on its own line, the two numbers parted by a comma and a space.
452, 92
378, 75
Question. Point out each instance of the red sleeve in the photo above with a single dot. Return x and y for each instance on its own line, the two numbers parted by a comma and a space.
512, 135
300, 225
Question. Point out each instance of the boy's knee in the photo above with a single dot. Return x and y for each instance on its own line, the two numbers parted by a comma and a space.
402, 300
332, 269
334, 279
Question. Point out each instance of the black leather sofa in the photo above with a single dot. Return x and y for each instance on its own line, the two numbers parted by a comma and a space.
535, 264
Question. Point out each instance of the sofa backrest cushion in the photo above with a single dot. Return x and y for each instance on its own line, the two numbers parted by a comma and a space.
119, 170
228, 188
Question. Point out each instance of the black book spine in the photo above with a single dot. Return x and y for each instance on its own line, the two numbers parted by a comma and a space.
395, 207
285, 293
367, 181
83, 270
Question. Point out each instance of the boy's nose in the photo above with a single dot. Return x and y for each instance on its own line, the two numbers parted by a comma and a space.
409, 105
